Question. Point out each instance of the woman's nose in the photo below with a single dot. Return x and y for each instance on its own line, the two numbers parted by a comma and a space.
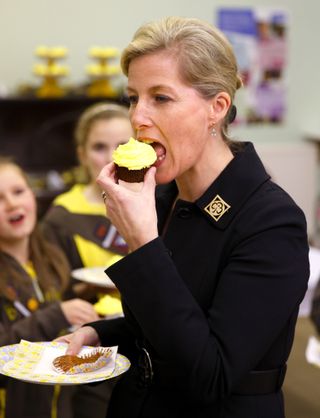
140, 116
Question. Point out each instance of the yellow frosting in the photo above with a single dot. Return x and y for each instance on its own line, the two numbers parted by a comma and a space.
134, 155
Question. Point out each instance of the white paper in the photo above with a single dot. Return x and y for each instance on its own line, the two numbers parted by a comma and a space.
314, 259
313, 351
44, 366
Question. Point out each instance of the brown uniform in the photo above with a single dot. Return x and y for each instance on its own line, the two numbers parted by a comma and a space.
44, 322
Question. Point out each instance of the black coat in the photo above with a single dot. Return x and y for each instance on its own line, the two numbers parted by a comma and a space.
213, 298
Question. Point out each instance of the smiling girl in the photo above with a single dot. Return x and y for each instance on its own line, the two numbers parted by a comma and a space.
33, 276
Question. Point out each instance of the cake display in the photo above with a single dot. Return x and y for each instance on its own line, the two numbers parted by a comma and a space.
132, 161
72, 364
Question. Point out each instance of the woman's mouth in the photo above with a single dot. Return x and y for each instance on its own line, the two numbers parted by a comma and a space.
159, 149
161, 153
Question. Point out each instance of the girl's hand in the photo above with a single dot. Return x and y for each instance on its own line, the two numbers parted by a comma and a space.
133, 213
78, 311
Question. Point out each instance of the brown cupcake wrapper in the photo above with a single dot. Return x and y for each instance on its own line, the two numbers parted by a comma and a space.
130, 176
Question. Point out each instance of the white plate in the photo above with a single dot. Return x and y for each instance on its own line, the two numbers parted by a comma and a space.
33, 364
93, 275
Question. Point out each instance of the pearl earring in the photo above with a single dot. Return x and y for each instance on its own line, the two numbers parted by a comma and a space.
213, 131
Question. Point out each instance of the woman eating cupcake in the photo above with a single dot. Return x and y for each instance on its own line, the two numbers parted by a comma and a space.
218, 261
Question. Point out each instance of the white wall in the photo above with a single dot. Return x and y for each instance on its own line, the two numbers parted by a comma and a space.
294, 168
79, 24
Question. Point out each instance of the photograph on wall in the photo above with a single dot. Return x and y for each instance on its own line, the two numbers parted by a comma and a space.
259, 39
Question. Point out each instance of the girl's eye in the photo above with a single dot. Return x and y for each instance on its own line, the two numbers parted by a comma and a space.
99, 147
133, 99
19, 191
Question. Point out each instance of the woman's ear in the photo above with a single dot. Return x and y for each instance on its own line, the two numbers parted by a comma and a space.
220, 105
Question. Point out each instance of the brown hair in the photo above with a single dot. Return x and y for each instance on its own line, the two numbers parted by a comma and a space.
206, 58
9, 161
49, 262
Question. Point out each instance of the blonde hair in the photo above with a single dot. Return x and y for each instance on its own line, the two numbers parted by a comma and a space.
205, 56
98, 111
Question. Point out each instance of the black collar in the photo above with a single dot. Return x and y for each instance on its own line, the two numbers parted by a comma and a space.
227, 194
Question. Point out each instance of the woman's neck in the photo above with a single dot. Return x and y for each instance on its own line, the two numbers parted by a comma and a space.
193, 183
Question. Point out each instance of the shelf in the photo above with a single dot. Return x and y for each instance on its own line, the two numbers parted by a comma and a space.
38, 133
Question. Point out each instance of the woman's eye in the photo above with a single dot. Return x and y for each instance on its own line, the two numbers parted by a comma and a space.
161, 98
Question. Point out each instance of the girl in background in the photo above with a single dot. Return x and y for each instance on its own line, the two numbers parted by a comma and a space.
77, 222
33, 276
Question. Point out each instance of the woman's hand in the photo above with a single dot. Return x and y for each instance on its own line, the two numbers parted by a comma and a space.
83, 336
133, 213
78, 311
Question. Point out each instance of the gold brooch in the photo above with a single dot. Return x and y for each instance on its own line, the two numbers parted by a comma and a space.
217, 207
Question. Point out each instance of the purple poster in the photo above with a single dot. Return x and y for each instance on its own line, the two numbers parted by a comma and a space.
259, 39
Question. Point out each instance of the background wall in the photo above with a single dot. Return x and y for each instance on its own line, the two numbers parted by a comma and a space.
79, 24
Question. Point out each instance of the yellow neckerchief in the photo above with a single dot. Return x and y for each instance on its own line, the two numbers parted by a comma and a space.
32, 303
75, 201
94, 256
2, 403
54, 404
90, 253
28, 266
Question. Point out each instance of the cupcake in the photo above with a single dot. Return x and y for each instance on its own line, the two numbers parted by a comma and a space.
132, 161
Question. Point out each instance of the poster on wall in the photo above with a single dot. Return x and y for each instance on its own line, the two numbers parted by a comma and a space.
259, 39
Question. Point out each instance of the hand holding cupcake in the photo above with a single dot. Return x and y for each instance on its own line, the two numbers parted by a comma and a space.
129, 192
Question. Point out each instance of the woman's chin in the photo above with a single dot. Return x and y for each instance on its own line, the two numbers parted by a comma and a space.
163, 178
